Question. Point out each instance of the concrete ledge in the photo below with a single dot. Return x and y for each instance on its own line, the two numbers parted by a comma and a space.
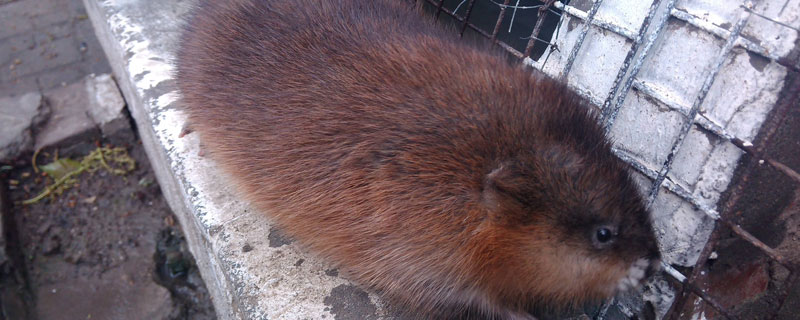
251, 271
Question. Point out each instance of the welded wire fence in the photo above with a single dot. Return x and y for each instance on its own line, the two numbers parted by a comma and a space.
539, 46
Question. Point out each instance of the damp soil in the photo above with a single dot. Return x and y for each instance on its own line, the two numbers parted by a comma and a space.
107, 248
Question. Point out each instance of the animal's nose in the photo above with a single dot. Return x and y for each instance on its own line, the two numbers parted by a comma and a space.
655, 266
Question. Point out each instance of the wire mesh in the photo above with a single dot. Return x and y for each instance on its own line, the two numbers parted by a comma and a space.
643, 41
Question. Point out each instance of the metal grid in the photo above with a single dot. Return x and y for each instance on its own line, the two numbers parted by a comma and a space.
642, 43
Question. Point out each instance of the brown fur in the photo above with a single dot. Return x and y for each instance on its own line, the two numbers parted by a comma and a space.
427, 168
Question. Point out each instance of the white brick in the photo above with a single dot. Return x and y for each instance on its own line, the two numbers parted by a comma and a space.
691, 157
600, 59
646, 129
680, 61
743, 93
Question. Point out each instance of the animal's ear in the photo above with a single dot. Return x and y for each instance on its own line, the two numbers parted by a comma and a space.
510, 192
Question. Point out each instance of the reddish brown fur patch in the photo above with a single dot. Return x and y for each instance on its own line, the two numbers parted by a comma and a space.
369, 134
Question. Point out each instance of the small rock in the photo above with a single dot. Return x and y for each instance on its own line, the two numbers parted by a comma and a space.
107, 107
17, 116
69, 115
51, 245
169, 220
44, 227
90, 104
145, 182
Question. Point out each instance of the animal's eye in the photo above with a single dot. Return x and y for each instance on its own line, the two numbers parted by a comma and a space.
603, 235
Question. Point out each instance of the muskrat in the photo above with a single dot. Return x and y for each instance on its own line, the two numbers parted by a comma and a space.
427, 168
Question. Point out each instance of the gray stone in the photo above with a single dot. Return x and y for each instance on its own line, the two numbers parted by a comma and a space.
106, 104
84, 106
70, 115
17, 116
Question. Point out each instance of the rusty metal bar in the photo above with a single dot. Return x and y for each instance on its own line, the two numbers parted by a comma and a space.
597, 22
680, 298
536, 28
724, 34
631, 53
781, 112
482, 32
770, 252
694, 118
785, 169
787, 290
438, 9
754, 241
668, 184
611, 115
784, 105
579, 42
716, 67
712, 127
687, 284
466, 17
771, 19
679, 141
499, 21
711, 301
748, 147
705, 123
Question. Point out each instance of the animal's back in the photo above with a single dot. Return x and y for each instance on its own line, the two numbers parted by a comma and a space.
368, 133
311, 104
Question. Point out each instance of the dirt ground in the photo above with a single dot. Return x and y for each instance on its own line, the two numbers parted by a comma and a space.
108, 248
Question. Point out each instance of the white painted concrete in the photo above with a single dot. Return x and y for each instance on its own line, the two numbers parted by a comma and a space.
246, 276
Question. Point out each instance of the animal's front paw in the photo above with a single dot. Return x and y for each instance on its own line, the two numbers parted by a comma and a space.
187, 129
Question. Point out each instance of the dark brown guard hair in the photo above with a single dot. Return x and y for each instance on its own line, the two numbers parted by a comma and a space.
427, 168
